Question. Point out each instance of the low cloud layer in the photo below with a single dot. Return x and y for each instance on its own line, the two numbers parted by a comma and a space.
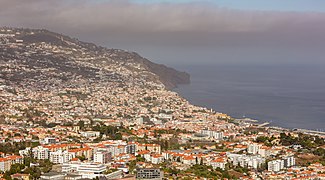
122, 24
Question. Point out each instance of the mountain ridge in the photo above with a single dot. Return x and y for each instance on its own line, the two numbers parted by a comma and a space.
43, 49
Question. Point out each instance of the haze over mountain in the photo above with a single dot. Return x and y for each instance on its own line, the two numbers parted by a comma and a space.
176, 32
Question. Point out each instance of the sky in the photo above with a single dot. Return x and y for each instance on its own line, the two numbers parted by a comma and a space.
264, 5
181, 32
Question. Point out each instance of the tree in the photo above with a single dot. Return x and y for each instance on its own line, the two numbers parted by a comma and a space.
16, 168
28, 161
319, 152
34, 172
132, 166
81, 158
117, 136
7, 176
81, 124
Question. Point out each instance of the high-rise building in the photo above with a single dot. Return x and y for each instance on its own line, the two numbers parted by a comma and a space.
279, 164
41, 153
130, 148
102, 157
253, 148
289, 161
275, 165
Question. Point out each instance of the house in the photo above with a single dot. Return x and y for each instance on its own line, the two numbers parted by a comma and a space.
15, 159
5, 163
240, 147
189, 160
154, 148
86, 152
219, 163
20, 176
157, 158
89, 134
48, 140
145, 154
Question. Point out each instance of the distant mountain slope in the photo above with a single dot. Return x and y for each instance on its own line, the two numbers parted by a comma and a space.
44, 59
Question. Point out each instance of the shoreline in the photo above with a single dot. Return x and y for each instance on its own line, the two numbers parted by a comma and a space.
279, 128
258, 122
257, 103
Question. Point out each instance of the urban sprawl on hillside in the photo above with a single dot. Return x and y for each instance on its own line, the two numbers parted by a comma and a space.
72, 110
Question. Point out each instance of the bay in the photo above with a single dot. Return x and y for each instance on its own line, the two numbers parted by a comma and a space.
290, 96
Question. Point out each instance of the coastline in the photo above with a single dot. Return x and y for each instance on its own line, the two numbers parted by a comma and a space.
262, 124
257, 123
267, 93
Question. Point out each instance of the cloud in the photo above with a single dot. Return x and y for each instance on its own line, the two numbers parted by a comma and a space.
121, 23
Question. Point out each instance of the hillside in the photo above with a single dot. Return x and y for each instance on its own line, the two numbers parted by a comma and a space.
42, 59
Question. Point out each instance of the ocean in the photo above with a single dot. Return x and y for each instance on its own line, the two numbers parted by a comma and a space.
290, 96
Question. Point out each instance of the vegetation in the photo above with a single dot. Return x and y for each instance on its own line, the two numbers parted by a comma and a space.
81, 158
311, 151
266, 140
112, 131
132, 164
35, 172
9, 148
306, 141
208, 172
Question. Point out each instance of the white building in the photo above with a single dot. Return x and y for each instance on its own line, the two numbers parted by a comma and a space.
275, 165
156, 158
253, 148
165, 116
26, 152
89, 134
219, 163
139, 121
49, 140
243, 160
102, 157
149, 173
279, 164
189, 160
264, 151
4, 165
60, 157
40, 152
87, 170
213, 134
